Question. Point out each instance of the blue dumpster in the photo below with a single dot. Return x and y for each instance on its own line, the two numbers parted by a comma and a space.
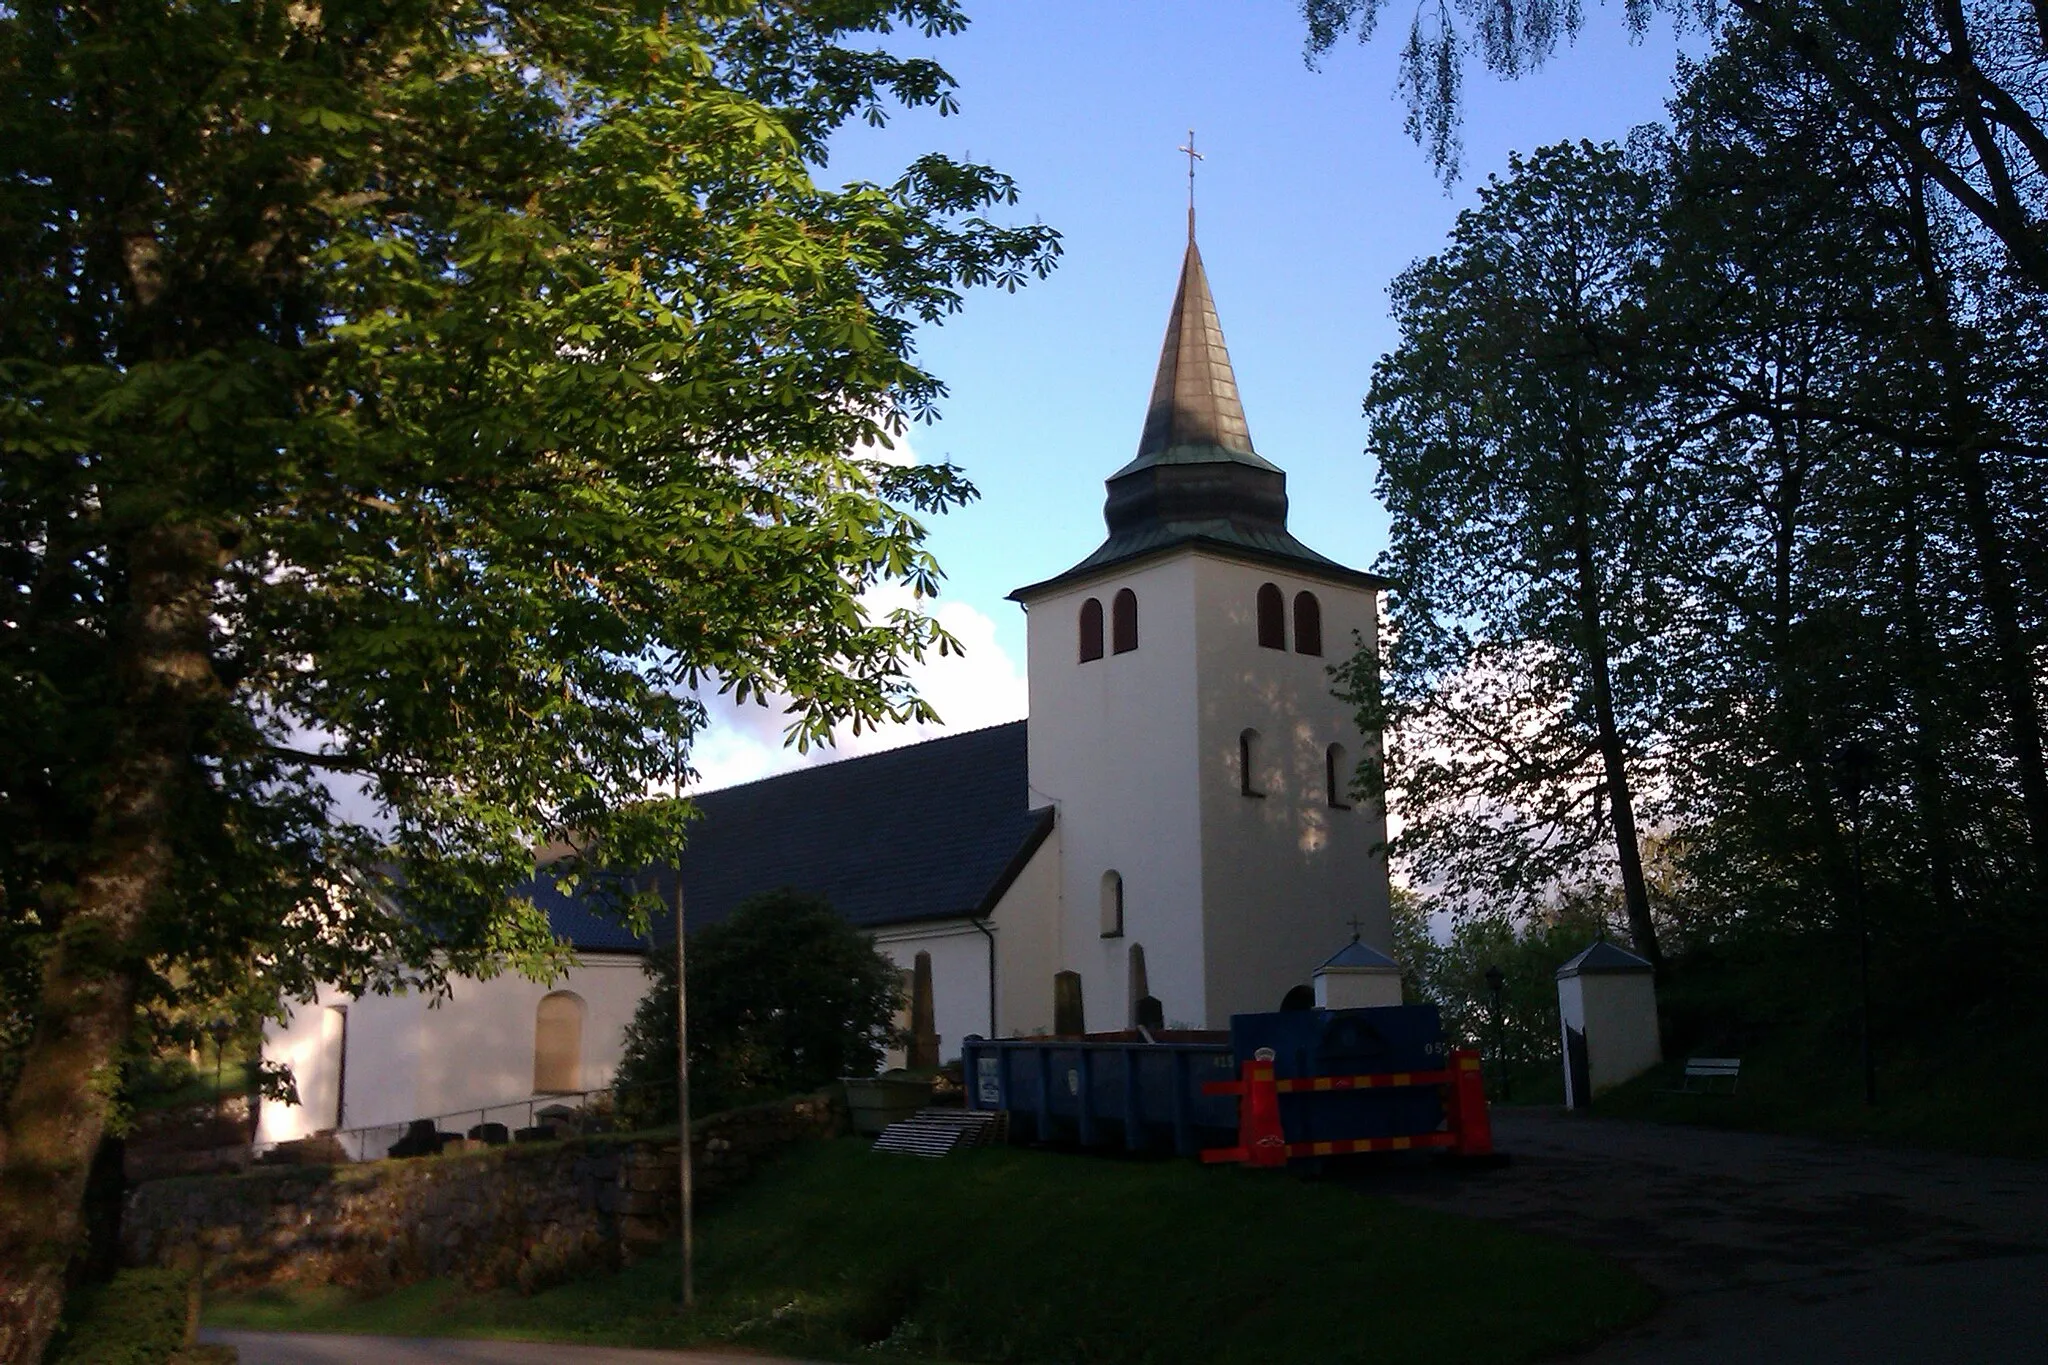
1124, 1093
1131, 1095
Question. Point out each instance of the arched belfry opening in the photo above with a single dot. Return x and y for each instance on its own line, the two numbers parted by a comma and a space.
1308, 624
1123, 622
1091, 629
1272, 617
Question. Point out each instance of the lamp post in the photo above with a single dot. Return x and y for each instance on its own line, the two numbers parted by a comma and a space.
1854, 762
220, 1030
685, 1192
1496, 981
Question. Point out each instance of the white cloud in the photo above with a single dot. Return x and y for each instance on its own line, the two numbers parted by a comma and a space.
979, 686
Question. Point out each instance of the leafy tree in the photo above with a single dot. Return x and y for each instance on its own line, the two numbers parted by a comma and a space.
1855, 396
1954, 88
1822, 522
1526, 510
1521, 1042
423, 397
785, 996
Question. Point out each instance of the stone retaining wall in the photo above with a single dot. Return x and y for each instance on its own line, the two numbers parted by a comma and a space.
523, 1216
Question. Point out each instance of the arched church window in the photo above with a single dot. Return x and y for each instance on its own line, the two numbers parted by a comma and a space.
1123, 622
1248, 763
1337, 774
1272, 618
1308, 624
1112, 905
1091, 629
558, 1044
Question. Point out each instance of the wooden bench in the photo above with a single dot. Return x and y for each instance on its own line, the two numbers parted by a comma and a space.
1708, 1071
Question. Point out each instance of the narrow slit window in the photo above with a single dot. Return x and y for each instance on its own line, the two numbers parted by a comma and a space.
1337, 773
1272, 618
1112, 905
1248, 763
1123, 622
1091, 629
1308, 624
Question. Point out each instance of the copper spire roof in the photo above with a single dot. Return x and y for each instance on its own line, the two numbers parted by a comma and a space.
1196, 480
1194, 393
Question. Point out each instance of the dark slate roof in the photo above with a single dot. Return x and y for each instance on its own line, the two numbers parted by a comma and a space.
1361, 957
936, 830
1603, 957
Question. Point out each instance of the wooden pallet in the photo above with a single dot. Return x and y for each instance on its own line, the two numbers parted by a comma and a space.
941, 1132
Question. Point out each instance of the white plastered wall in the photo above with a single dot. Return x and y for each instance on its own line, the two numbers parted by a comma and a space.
960, 964
1027, 922
409, 1058
1284, 873
1113, 747
1618, 1013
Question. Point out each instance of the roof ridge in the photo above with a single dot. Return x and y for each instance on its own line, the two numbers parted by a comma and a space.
842, 761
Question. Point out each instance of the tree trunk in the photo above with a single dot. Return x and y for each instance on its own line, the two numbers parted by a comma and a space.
2011, 660
58, 1109
1635, 890
2010, 655
1927, 723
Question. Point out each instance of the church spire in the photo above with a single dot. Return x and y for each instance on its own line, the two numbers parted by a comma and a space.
1196, 480
1194, 392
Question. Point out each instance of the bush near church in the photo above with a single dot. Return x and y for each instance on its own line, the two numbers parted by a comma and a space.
785, 996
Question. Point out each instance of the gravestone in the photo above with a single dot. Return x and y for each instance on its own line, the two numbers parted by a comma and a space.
923, 1054
1149, 1013
1140, 988
1068, 1018
421, 1139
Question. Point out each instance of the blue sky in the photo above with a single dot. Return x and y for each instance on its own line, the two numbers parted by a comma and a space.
1310, 200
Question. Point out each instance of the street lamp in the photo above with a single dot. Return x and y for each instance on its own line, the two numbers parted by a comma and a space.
1496, 981
1854, 762
221, 1030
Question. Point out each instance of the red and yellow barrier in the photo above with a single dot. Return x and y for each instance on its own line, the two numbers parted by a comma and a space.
1467, 1129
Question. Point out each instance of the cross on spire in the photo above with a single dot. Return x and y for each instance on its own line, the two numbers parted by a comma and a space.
1193, 156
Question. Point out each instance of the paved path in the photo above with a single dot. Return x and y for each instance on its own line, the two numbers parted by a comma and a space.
1776, 1249
311, 1348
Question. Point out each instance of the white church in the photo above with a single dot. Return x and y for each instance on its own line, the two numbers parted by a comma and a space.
1180, 793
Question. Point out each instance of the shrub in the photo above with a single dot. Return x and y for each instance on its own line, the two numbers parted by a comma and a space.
784, 996
137, 1318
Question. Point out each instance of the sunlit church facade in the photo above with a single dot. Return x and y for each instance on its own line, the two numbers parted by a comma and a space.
1175, 817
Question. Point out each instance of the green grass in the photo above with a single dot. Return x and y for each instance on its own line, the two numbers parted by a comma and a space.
137, 1318
1006, 1255
179, 1085
1955, 1089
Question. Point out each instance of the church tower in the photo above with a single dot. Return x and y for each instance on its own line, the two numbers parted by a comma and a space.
1183, 723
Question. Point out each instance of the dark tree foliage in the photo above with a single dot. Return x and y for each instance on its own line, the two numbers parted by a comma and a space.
785, 996
1955, 89
1837, 410
1528, 509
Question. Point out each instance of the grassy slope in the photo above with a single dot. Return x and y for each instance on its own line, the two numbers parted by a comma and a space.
1953, 1091
1017, 1256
